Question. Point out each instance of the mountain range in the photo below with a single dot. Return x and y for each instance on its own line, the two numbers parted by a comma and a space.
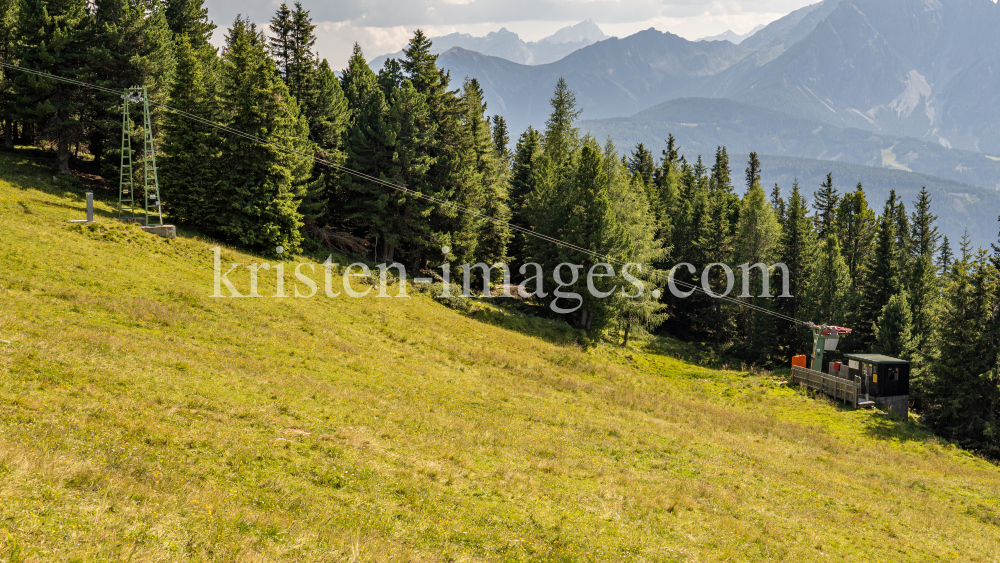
912, 86
509, 46
731, 36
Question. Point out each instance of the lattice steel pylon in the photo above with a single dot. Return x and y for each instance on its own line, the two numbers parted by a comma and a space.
149, 191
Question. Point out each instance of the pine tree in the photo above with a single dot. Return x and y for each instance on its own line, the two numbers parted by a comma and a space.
501, 140
133, 46
778, 204
8, 26
561, 137
827, 293
893, 331
261, 186
924, 235
758, 237
923, 291
491, 173
54, 40
962, 385
280, 42
855, 226
452, 171
720, 179
882, 277
753, 171
944, 258
188, 147
190, 18
825, 203
798, 253
641, 162
301, 66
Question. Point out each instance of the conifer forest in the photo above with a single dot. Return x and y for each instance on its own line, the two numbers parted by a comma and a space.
342, 134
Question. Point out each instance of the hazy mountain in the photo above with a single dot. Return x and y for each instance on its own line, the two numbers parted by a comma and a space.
923, 68
508, 45
611, 78
702, 124
732, 37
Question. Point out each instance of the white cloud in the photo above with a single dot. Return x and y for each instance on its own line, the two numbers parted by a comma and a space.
384, 26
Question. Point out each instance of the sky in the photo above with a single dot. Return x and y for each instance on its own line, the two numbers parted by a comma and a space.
384, 26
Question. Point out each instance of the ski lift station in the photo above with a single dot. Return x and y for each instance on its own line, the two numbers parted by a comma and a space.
863, 380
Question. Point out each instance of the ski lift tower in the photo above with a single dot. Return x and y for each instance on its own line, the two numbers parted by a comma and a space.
825, 338
146, 195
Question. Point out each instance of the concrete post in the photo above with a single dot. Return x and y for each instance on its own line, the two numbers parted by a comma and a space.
90, 207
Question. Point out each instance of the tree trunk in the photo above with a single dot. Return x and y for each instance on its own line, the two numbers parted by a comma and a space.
625, 340
63, 154
8, 133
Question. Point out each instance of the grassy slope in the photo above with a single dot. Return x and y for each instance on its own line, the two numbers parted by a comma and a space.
142, 420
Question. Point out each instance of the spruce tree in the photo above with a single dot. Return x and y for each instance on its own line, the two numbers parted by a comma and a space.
491, 173
752, 171
501, 140
280, 42
825, 203
190, 18
561, 137
778, 203
962, 383
827, 292
452, 171
54, 40
798, 253
893, 332
758, 237
641, 162
720, 179
882, 278
187, 147
260, 186
8, 26
132, 45
944, 258
924, 235
855, 225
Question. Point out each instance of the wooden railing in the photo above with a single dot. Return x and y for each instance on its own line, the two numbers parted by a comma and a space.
836, 387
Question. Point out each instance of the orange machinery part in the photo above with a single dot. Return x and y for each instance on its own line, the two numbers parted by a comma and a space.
799, 360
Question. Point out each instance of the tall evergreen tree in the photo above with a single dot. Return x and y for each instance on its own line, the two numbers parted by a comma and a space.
501, 140
944, 257
963, 383
825, 203
882, 276
758, 237
721, 177
8, 25
188, 148
132, 45
280, 42
491, 173
53, 39
798, 250
923, 234
641, 162
190, 18
827, 293
261, 186
855, 225
893, 331
561, 137
452, 170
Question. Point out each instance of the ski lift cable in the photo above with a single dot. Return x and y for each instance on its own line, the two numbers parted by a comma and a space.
402, 188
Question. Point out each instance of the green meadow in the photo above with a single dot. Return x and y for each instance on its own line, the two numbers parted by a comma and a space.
143, 420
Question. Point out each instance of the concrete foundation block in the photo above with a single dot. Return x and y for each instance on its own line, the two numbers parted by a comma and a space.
165, 231
898, 403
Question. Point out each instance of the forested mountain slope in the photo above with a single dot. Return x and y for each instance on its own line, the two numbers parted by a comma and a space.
142, 419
